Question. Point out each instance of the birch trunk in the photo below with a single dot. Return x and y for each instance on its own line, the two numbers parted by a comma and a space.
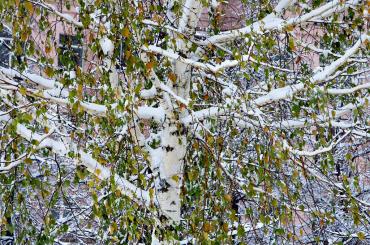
173, 138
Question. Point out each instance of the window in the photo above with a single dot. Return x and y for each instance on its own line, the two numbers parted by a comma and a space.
70, 51
5, 48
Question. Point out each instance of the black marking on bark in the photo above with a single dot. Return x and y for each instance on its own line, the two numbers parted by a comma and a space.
182, 54
180, 131
163, 185
168, 148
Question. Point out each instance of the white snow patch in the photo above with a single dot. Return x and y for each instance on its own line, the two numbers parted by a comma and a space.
39, 80
106, 45
148, 93
147, 112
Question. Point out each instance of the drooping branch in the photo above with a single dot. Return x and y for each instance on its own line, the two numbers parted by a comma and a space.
312, 153
66, 17
289, 91
63, 148
271, 22
92, 108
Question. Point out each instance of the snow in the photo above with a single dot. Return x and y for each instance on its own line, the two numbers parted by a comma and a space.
229, 90
320, 75
169, 91
57, 146
56, 92
39, 80
86, 159
325, 53
4, 116
104, 173
271, 22
155, 240
106, 45
214, 4
156, 156
202, 114
328, 70
336, 91
66, 17
283, 4
247, 228
268, 23
279, 93
147, 112
70, 74
148, 93
94, 108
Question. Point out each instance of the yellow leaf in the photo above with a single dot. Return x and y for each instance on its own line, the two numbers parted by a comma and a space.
151, 193
90, 183
149, 65
47, 49
3, 221
292, 44
91, 37
289, 28
228, 198
22, 90
172, 76
28, 161
175, 178
158, 18
126, 32
28, 6
207, 227
47, 220
225, 227
98, 171
79, 91
24, 36
127, 54
49, 71
361, 235
182, 107
111, 229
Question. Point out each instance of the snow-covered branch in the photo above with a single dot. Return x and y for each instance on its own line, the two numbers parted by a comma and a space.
66, 17
289, 91
63, 148
271, 22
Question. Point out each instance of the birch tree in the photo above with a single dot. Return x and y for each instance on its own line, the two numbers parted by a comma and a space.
137, 127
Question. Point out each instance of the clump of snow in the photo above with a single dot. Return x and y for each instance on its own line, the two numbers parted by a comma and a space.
70, 74
146, 112
325, 53
229, 90
214, 4
148, 93
106, 45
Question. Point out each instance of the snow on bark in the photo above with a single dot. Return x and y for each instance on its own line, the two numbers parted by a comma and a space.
173, 141
147, 112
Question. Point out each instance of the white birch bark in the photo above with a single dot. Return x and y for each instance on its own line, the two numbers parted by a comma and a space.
173, 140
